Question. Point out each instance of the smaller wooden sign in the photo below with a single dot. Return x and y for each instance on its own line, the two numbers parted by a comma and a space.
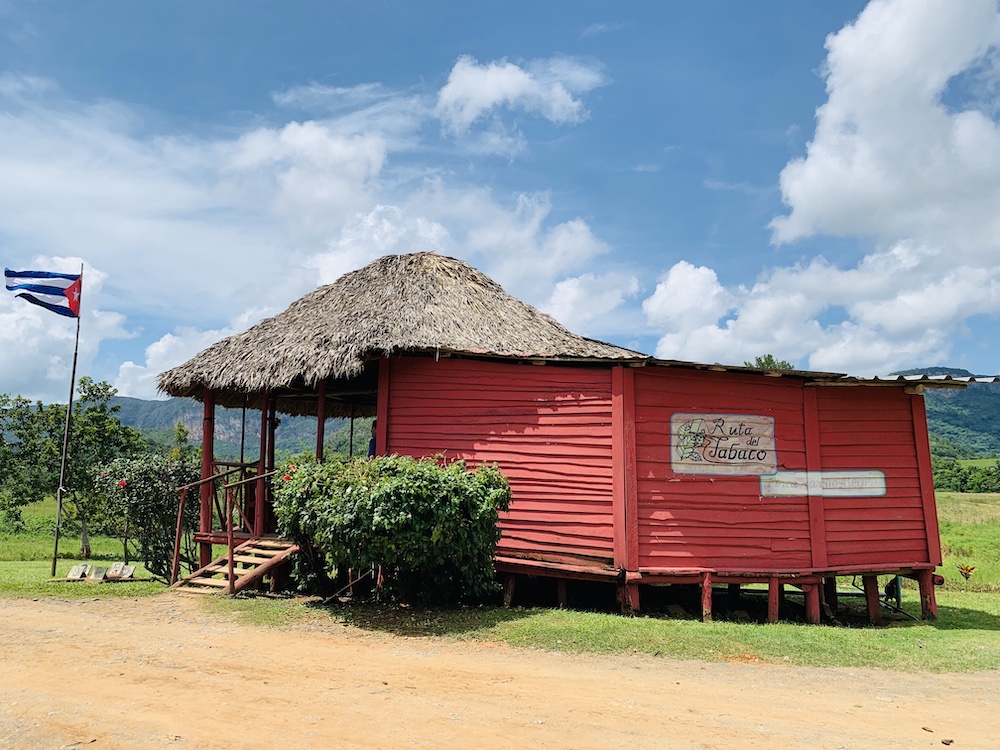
77, 572
115, 571
127, 571
98, 574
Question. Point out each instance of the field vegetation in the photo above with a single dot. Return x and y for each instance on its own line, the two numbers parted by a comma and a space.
966, 637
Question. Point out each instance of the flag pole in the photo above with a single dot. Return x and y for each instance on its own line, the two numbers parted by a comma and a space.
66, 432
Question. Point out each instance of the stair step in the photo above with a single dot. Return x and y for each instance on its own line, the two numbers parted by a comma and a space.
274, 543
254, 550
251, 559
212, 582
224, 569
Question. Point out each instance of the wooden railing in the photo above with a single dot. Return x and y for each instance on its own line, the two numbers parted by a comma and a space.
224, 524
233, 507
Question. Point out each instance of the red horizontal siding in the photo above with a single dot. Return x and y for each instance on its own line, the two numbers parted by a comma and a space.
716, 522
872, 428
548, 428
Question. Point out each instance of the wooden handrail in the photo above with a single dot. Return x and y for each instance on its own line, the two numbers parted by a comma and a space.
254, 478
211, 478
175, 566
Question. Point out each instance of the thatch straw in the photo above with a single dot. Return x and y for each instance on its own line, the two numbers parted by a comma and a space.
399, 304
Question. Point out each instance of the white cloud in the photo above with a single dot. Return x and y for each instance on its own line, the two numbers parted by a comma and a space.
549, 88
382, 231
889, 160
687, 297
580, 301
597, 29
203, 235
170, 350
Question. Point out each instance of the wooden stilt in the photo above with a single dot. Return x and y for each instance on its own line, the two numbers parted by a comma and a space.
871, 600
561, 596
811, 592
508, 590
628, 598
706, 597
773, 596
733, 596
830, 593
928, 600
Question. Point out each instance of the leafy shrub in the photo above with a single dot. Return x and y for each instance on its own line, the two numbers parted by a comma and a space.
140, 504
432, 527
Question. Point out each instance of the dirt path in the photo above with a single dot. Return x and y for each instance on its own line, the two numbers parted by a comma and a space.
157, 673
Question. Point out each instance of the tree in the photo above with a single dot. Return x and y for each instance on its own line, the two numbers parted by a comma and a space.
139, 494
31, 436
768, 362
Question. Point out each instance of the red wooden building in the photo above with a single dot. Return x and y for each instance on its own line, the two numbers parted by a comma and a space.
623, 468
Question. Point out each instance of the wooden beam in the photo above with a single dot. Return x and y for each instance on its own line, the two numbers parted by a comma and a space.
207, 470
817, 510
926, 479
773, 598
830, 593
928, 601
320, 419
382, 429
871, 600
706, 597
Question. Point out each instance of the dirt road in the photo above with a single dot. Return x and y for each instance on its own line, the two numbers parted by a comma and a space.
158, 673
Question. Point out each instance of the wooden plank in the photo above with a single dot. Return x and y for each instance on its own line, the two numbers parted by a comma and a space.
632, 535
814, 463
872, 602
618, 465
929, 501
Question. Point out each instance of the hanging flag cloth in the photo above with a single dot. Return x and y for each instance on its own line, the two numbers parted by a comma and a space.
58, 292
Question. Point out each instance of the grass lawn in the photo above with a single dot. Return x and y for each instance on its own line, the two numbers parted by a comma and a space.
970, 535
966, 637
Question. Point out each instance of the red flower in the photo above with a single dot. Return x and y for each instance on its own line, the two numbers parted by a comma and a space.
122, 483
287, 478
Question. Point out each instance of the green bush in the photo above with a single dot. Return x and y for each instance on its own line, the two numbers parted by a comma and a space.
431, 526
140, 502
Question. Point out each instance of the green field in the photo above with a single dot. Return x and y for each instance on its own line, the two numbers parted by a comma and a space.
966, 637
979, 463
970, 535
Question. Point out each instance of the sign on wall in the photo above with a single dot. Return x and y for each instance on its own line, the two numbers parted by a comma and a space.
730, 444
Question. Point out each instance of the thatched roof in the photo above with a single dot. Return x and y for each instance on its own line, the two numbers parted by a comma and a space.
399, 304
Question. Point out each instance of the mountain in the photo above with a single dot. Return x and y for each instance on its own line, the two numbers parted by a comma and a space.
157, 420
969, 419
962, 423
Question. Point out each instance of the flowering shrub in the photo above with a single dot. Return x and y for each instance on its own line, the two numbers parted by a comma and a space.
142, 501
432, 527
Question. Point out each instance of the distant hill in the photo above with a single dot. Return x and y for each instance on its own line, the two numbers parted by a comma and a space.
962, 423
969, 419
157, 419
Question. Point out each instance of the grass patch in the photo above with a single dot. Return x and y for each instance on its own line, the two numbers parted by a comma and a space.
978, 463
966, 637
970, 535
30, 579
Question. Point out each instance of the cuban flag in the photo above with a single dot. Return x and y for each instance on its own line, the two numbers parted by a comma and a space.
58, 292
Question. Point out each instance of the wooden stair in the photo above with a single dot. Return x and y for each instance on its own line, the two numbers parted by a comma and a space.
252, 560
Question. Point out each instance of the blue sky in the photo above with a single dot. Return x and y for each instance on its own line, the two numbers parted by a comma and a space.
699, 180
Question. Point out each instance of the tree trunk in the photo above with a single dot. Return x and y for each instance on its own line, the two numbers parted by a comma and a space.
84, 540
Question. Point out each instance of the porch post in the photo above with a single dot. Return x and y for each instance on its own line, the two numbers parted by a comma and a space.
261, 484
320, 420
207, 470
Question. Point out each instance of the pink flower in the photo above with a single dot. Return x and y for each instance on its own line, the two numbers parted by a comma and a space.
287, 478
122, 483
